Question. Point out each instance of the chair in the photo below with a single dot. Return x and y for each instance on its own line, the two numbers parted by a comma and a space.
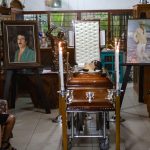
3, 109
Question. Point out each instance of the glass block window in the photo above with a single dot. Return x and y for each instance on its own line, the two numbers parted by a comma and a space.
102, 16
42, 20
63, 21
118, 27
114, 22
30, 17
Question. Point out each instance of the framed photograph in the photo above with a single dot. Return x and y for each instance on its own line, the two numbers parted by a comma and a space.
87, 41
21, 47
138, 41
71, 39
103, 38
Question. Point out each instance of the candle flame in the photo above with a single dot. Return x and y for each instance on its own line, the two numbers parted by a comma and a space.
59, 44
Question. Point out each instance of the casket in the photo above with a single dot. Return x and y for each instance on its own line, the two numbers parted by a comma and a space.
89, 80
83, 83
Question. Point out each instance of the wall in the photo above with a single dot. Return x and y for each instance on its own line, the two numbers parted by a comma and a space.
39, 5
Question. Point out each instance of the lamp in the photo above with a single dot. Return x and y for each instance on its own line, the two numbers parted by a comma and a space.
53, 3
3, 3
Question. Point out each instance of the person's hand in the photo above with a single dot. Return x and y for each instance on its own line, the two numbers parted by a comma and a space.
3, 107
1, 111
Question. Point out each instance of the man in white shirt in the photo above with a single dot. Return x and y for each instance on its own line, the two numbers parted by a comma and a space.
140, 38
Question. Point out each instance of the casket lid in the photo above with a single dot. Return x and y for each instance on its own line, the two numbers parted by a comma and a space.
89, 80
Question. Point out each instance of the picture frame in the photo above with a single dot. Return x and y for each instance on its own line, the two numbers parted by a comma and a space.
138, 42
103, 38
87, 41
16, 35
71, 39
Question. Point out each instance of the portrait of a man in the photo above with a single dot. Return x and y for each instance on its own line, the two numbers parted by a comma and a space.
138, 41
21, 43
24, 53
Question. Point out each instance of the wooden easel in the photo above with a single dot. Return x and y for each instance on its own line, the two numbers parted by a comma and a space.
124, 83
62, 109
10, 83
126, 78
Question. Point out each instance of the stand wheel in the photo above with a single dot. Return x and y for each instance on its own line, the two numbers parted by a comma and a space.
104, 144
107, 124
69, 145
99, 121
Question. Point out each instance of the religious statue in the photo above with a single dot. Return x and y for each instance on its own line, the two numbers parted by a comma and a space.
54, 47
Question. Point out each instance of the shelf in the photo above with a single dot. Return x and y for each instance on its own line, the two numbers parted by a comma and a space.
5, 11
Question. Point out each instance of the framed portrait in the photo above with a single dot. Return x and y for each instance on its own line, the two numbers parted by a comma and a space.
21, 47
71, 39
138, 41
87, 41
103, 38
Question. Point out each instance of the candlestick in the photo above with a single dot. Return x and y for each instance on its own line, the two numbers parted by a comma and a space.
67, 61
117, 45
61, 72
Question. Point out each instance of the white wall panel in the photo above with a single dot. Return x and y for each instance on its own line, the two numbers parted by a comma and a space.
34, 5
110, 4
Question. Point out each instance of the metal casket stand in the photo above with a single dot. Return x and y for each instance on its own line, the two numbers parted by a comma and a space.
87, 93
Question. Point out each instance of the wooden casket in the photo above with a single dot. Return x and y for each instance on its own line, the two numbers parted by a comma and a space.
89, 80
83, 84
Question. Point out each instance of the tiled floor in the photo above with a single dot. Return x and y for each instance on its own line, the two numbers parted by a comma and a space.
34, 129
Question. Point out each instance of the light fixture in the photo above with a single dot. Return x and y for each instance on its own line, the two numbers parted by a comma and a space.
53, 3
143, 1
3, 3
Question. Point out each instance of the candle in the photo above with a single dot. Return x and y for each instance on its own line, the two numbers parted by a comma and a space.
117, 44
67, 61
61, 72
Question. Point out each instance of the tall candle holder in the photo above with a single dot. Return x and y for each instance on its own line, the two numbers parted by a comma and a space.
62, 98
58, 51
117, 45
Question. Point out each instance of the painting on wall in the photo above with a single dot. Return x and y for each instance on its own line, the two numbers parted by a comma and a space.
138, 41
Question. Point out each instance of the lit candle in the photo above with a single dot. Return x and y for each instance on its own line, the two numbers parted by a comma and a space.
61, 72
117, 45
67, 60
